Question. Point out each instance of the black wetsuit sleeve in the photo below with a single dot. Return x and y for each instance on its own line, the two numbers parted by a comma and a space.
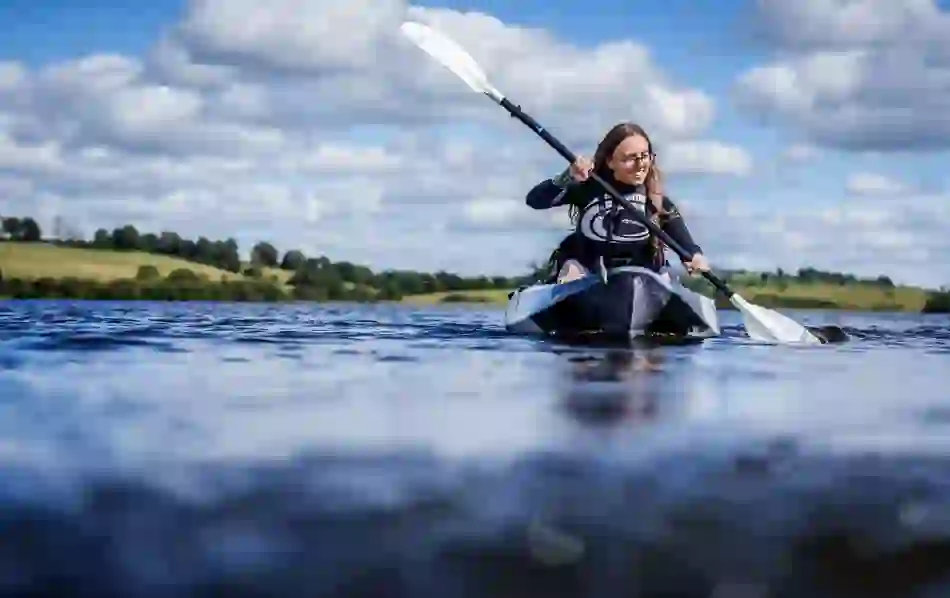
675, 226
553, 192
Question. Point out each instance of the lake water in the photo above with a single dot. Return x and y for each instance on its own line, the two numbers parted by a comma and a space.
377, 450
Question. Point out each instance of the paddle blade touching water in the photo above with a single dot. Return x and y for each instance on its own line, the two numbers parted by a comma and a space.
769, 326
762, 324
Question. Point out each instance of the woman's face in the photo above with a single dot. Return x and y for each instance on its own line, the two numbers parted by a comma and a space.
631, 160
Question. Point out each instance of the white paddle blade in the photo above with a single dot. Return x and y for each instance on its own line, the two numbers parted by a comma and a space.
770, 326
451, 55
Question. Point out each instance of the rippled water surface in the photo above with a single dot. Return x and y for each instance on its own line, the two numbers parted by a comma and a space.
342, 450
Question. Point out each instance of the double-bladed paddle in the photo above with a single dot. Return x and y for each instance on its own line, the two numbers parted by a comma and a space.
761, 324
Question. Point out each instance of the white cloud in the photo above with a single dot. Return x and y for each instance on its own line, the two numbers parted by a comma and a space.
491, 211
689, 157
509, 215
870, 78
336, 159
11, 76
869, 183
295, 35
12, 185
801, 152
343, 64
317, 126
865, 74
866, 235
837, 24
23, 157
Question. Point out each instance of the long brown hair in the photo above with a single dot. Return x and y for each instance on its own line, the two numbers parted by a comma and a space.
606, 148
608, 145
654, 178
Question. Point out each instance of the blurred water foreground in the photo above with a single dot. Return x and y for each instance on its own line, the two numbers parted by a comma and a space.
260, 450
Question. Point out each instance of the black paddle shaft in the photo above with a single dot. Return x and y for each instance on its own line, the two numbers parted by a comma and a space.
517, 112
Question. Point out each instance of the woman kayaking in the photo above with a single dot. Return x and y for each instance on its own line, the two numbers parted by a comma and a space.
603, 236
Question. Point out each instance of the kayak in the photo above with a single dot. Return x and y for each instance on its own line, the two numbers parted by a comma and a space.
628, 301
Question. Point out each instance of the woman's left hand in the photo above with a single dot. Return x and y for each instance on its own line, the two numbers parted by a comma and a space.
697, 264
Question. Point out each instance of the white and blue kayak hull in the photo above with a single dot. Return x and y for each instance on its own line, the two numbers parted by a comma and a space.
632, 302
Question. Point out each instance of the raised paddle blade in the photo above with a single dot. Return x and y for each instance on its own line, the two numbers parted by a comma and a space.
451, 55
770, 326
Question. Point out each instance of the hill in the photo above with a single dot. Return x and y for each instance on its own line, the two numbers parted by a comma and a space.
852, 295
35, 260
203, 270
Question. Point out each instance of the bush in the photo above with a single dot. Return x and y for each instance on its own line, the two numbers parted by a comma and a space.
463, 298
182, 275
148, 273
937, 303
46, 287
769, 300
184, 285
126, 288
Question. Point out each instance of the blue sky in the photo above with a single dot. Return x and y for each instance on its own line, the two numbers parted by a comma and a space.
861, 104
43, 32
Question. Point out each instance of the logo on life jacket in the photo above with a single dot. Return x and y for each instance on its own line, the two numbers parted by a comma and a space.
597, 216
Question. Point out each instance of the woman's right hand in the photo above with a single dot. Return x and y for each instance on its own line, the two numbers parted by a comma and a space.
580, 169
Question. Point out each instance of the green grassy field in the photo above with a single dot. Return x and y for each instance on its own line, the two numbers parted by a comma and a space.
37, 260
851, 296
858, 297
493, 296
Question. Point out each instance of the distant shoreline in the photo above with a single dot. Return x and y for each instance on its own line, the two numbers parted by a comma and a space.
40, 270
178, 287
856, 297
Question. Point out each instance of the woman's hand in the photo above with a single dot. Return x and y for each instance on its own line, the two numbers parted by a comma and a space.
580, 169
697, 264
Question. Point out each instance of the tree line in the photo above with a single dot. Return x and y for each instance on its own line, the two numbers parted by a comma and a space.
311, 277
180, 285
20, 229
809, 275
938, 302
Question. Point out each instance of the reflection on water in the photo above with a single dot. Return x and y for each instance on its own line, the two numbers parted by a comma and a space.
246, 450
615, 385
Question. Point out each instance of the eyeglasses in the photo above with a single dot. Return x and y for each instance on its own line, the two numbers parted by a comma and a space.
641, 157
